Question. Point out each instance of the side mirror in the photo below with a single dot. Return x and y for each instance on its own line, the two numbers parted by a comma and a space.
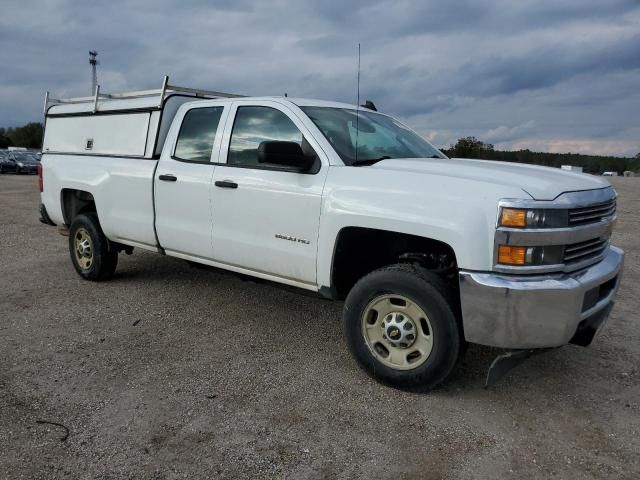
285, 154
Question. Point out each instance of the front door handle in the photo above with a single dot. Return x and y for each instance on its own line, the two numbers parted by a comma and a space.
226, 184
168, 178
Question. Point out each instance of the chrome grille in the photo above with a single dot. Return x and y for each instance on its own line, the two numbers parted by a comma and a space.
592, 213
582, 251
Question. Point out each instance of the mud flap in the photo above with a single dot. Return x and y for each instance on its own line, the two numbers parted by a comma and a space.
44, 216
504, 363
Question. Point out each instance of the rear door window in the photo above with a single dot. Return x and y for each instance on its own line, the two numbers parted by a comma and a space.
197, 134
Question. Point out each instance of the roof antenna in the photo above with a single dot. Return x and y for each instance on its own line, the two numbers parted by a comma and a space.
358, 102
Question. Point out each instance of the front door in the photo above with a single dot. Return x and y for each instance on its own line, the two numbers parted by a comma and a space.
266, 218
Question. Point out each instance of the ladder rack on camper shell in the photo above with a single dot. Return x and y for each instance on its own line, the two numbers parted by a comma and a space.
161, 93
133, 124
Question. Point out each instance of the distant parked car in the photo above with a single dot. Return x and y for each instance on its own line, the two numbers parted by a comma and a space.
27, 162
19, 162
6, 164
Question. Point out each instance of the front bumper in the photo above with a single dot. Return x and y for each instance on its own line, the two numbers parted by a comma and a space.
511, 311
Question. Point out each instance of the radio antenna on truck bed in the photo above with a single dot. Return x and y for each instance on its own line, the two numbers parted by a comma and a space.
93, 61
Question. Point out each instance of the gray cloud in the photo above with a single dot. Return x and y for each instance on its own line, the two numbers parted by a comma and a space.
544, 74
504, 134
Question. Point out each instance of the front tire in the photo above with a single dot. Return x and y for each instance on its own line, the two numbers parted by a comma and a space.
91, 253
401, 327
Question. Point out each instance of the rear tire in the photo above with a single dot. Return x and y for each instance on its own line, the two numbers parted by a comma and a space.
92, 255
401, 327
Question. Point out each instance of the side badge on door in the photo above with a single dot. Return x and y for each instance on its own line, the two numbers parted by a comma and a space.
292, 239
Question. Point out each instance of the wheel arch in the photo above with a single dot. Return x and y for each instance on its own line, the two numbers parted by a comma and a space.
359, 250
74, 202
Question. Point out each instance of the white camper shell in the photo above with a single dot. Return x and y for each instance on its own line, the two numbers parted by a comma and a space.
133, 124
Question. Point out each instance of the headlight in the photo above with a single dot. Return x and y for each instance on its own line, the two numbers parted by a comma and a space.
533, 218
20, 164
530, 256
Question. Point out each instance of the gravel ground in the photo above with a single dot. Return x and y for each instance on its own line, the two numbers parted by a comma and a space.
169, 371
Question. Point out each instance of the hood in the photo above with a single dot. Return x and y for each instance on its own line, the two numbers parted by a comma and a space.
541, 183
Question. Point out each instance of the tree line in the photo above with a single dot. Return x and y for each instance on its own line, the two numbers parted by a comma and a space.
471, 147
30, 136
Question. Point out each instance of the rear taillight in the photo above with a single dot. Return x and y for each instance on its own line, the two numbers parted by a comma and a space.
40, 184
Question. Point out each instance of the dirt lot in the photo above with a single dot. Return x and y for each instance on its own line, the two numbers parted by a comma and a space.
173, 372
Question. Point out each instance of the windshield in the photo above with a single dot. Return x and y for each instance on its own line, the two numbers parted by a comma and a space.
378, 137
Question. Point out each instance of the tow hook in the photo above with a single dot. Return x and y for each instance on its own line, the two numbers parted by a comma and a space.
507, 361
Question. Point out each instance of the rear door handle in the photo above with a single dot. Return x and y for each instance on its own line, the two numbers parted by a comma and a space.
226, 184
168, 178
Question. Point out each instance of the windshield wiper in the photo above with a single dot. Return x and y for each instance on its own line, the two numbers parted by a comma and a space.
369, 161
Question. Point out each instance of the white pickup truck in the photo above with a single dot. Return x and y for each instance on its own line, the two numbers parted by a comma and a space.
427, 252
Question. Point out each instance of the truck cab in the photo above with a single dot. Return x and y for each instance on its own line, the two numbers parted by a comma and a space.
266, 211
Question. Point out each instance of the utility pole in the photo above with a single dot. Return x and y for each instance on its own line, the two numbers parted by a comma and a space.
94, 74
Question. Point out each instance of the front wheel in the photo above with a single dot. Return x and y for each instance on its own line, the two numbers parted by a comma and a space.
401, 326
91, 254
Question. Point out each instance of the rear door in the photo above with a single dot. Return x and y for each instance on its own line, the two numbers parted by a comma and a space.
183, 178
265, 218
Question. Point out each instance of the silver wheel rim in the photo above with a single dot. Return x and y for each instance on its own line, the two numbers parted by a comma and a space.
397, 332
83, 248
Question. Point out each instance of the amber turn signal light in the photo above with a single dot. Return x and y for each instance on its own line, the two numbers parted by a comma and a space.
512, 255
513, 217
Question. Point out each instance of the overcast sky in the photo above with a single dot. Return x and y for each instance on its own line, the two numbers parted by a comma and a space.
548, 75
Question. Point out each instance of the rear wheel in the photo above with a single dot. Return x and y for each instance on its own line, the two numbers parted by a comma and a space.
401, 327
91, 253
